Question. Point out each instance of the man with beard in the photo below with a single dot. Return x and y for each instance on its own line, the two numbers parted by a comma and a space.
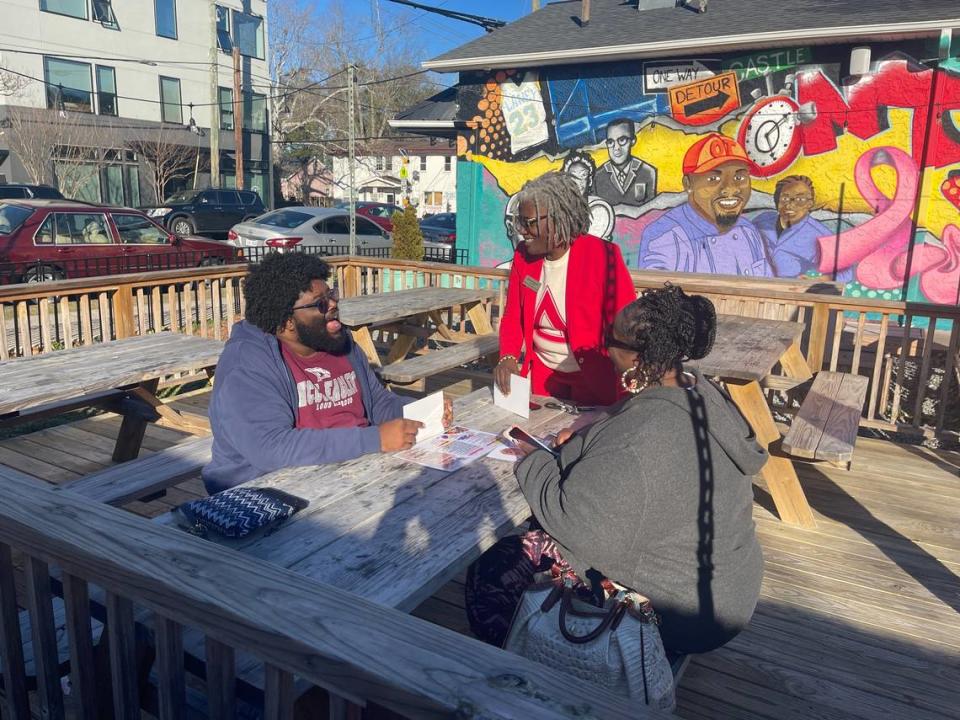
708, 233
292, 388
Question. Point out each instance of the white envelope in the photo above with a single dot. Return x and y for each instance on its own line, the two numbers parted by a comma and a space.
518, 401
429, 411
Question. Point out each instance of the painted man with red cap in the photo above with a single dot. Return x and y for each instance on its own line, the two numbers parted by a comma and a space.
708, 233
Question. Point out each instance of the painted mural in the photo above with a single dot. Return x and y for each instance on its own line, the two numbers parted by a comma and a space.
774, 164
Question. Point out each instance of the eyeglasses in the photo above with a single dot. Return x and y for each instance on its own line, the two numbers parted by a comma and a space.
322, 303
611, 341
621, 141
798, 200
528, 224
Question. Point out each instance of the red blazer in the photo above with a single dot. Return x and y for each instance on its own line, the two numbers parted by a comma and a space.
598, 285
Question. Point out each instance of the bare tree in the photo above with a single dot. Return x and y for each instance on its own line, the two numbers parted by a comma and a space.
171, 153
32, 135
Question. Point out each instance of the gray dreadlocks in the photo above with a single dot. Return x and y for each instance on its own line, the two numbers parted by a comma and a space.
558, 196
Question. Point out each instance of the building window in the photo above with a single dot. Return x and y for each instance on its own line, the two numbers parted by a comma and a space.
255, 112
433, 198
379, 162
165, 12
224, 41
73, 8
248, 34
106, 90
388, 163
103, 14
447, 163
423, 163
226, 108
171, 107
69, 85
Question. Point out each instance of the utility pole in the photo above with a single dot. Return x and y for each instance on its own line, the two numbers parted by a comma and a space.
237, 117
214, 99
351, 160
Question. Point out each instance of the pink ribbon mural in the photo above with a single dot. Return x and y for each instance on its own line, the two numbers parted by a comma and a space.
879, 248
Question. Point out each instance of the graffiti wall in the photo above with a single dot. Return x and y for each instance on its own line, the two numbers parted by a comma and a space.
776, 163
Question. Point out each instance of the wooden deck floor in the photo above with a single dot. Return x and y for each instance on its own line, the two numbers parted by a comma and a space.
859, 618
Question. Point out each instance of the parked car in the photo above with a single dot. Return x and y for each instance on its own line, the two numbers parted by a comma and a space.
46, 240
440, 228
17, 191
206, 211
380, 213
322, 230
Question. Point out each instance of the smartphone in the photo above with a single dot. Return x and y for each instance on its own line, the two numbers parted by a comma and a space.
523, 436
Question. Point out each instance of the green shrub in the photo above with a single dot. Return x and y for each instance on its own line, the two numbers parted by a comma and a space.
407, 238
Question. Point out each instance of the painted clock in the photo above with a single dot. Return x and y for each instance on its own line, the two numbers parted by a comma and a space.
771, 134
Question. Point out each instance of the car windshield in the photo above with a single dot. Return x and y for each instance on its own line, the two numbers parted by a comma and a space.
12, 217
284, 219
182, 197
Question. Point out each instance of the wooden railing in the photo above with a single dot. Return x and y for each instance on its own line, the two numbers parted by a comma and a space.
299, 629
908, 351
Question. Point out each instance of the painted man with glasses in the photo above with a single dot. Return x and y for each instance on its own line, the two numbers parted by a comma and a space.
292, 387
624, 179
791, 231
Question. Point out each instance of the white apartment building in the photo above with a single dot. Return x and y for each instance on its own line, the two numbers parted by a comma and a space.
111, 73
393, 170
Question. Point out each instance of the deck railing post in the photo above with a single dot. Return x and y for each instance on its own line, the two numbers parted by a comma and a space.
818, 335
123, 325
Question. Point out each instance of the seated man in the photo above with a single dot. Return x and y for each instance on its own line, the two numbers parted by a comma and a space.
291, 387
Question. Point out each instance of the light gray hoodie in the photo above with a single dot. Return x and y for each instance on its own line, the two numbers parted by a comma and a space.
658, 497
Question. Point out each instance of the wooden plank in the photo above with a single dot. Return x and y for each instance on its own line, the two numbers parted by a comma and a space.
810, 422
836, 444
83, 692
747, 348
124, 483
44, 633
920, 384
362, 337
103, 302
202, 308
23, 327
389, 307
131, 432
156, 309
121, 640
66, 322
858, 343
169, 668
278, 694
872, 407
221, 680
11, 643
142, 319
948, 374
778, 471
437, 361
86, 320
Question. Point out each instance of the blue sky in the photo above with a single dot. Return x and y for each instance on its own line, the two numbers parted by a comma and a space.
437, 34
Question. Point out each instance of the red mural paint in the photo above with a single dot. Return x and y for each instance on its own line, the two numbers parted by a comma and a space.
896, 84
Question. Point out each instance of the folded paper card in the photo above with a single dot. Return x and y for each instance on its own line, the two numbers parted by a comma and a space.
429, 411
518, 401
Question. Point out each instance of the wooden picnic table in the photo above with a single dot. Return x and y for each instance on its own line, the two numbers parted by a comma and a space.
122, 375
744, 355
389, 530
412, 314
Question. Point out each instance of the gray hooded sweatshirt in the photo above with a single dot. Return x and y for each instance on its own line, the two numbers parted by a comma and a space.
658, 497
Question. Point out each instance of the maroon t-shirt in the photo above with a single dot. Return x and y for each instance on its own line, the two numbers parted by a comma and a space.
328, 394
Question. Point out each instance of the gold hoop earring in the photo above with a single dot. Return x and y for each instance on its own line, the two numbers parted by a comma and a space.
630, 383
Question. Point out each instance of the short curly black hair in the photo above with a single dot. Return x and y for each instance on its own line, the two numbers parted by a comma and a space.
666, 327
273, 286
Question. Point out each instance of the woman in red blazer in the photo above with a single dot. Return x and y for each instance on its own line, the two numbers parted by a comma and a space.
565, 289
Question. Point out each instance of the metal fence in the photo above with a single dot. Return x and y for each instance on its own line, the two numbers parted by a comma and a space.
47, 270
430, 254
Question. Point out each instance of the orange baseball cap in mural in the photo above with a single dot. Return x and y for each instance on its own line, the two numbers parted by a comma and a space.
712, 151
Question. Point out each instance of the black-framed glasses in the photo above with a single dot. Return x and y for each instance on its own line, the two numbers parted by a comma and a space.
611, 341
528, 224
322, 303
622, 141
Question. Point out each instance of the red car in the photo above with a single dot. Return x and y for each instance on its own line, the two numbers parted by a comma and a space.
380, 213
45, 240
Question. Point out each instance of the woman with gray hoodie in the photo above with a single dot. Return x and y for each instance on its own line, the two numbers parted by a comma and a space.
657, 496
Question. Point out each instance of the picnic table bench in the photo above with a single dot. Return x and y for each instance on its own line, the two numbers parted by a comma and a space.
122, 375
415, 315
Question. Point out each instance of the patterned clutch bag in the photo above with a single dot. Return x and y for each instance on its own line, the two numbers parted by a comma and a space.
237, 512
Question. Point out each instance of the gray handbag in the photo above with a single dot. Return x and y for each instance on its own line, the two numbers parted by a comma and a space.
617, 647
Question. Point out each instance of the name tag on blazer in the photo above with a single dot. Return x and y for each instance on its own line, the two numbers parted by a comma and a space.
531, 283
